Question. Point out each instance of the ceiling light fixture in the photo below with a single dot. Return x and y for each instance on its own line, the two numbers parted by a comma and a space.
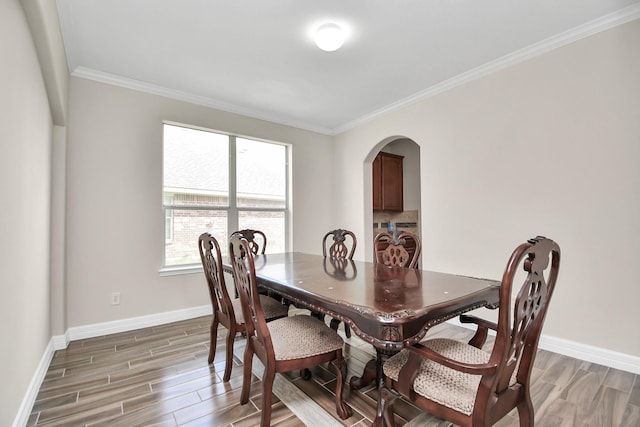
329, 37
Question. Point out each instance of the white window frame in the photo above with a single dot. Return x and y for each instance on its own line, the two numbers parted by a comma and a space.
233, 211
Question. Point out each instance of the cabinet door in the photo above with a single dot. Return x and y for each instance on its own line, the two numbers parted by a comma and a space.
377, 181
392, 197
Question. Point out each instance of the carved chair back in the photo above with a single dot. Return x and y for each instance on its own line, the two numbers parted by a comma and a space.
244, 272
256, 238
211, 258
400, 249
517, 340
339, 248
223, 308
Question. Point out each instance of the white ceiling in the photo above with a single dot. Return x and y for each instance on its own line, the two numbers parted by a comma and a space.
257, 57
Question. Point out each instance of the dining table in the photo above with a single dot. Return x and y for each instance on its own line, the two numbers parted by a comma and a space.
389, 307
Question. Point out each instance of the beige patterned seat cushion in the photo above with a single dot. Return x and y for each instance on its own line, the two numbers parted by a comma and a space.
295, 337
436, 382
270, 307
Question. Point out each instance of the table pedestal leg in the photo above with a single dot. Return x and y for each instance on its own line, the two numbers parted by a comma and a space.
372, 371
368, 376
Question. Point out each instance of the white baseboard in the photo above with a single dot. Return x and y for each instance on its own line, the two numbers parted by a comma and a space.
601, 356
60, 342
34, 386
123, 325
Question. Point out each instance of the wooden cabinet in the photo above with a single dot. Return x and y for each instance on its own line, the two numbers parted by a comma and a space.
387, 183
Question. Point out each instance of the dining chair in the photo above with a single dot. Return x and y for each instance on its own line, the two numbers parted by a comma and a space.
282, 345
466, 385
227, 311
256, 238
400, 249
338, 252
258, 244
339, 248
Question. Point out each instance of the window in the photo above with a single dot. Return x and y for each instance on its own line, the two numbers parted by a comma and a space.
220, 183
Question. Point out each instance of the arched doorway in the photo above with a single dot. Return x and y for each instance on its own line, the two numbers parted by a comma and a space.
409, 217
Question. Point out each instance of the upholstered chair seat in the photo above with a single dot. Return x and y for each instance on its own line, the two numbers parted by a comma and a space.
273, 309
297, 337
454, 389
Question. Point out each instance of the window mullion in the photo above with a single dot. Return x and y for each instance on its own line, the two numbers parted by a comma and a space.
232, 219
287, 210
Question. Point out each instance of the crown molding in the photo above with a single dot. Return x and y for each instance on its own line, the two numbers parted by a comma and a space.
603, 23
140, 86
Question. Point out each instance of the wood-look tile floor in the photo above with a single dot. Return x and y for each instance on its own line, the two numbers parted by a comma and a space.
159, 376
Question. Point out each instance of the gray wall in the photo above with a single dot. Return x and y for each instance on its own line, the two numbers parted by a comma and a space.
114, 198
549, 146
25, 179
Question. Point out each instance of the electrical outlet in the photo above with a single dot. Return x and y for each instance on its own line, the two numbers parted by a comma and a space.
115, 298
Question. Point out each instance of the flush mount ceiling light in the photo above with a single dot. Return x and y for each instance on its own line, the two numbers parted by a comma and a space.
329, 37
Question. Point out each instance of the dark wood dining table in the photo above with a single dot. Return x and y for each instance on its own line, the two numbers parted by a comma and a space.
388, 307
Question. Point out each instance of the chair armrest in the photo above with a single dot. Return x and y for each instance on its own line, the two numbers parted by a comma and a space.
466, 318
420, 350
480, 337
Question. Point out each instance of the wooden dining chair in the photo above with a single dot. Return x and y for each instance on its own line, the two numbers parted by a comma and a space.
339, 248
256, 238
283, 345
339, 251
466, 385
258, 244
227, 311
400, 249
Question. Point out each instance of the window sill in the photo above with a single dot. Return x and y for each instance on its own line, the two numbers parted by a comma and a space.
176, 270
